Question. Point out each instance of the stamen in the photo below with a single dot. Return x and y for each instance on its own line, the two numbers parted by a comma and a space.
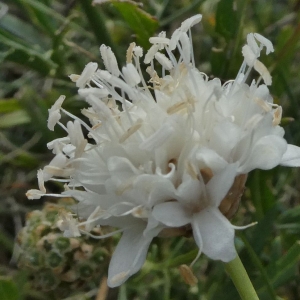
109, 60
277, 116
177, 107
129, 52
131, 130
188, 275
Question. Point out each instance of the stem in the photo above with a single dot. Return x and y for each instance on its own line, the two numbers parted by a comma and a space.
241, 280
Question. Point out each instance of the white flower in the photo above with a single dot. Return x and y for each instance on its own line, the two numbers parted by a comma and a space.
164, 155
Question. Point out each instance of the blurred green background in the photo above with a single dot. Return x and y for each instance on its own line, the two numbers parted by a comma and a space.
42, 42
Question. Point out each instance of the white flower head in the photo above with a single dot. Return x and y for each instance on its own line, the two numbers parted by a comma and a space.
165, 152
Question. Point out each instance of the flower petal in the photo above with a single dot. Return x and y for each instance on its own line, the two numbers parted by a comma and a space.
171, 214
129, 256
291, 157
217, 234
220, 184
189, 191
266, 154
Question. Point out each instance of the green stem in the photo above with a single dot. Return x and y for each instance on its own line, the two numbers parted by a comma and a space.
241, 280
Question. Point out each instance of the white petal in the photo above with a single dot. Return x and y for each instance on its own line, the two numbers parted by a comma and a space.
58, 161
217, 234
129, 256
117, 165
162, 190
189, 191
211, 159
266, 154
291, 158
158, 138
220, 184
171, 214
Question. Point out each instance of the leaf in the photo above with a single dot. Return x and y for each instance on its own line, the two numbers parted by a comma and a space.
21, 29
260, 233
15, 118
9, 105
8, 290
284, 269
226, 19
292, 214
261, 195
143, 24
46, 10
20, 52
97, 24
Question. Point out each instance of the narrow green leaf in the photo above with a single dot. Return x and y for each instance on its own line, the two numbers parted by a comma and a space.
23, 30
25, 54
262, 231
9, 105
143, 24
226, 19
44, 9
15, 118
289, 215
284, 269
97, 25
259, 266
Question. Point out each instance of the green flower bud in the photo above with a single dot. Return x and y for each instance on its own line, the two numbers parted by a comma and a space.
57, 263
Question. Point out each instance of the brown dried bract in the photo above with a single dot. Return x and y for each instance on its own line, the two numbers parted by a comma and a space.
230, 203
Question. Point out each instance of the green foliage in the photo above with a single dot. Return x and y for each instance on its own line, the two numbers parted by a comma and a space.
226, 19
143, 24
8, 289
